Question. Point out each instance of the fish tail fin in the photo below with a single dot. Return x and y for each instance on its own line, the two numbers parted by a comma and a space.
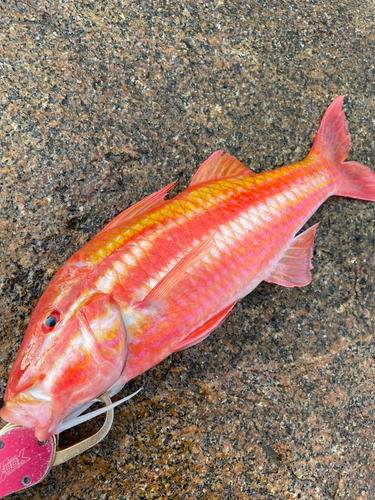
332, 143
357, 181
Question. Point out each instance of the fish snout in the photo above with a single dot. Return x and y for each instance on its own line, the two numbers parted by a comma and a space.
29, 411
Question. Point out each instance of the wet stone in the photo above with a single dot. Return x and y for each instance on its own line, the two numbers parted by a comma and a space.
103, 103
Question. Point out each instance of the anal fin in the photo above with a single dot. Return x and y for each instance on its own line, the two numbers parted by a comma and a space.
294, 267
202, 332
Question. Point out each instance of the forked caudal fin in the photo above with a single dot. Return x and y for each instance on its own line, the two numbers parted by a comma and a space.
357, 181
332, 143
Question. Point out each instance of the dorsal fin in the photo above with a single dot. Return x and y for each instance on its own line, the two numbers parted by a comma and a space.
219, 166
150, 202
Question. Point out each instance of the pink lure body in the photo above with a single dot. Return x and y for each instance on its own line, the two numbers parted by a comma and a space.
164, 274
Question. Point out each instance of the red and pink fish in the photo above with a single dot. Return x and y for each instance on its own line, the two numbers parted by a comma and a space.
164, 274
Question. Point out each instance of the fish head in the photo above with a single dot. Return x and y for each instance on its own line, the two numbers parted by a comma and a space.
74, 349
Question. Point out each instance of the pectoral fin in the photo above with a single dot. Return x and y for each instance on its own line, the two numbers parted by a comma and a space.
168, 290
204, 331
294, 267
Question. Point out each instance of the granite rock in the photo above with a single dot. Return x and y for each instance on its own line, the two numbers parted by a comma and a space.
104, 102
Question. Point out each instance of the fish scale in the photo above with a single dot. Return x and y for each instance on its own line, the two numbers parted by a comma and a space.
262, 210
163, 275
245, 275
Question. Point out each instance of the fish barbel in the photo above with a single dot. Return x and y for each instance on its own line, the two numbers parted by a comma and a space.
164, 274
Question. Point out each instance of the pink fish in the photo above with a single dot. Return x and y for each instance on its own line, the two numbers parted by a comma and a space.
164, 274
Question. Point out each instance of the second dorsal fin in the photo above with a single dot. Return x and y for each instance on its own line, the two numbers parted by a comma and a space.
219, 166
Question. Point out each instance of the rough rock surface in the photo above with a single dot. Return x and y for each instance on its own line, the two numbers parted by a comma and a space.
102, 103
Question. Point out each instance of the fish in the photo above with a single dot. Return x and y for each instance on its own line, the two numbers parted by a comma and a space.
163, 274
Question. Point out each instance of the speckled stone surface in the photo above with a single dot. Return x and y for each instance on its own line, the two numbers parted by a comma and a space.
104, 102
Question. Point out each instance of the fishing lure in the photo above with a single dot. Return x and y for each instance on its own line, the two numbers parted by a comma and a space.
164, 274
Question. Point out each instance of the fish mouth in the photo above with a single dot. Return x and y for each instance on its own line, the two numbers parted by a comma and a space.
28, 411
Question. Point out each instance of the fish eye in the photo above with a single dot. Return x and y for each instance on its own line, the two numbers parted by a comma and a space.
51, 321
